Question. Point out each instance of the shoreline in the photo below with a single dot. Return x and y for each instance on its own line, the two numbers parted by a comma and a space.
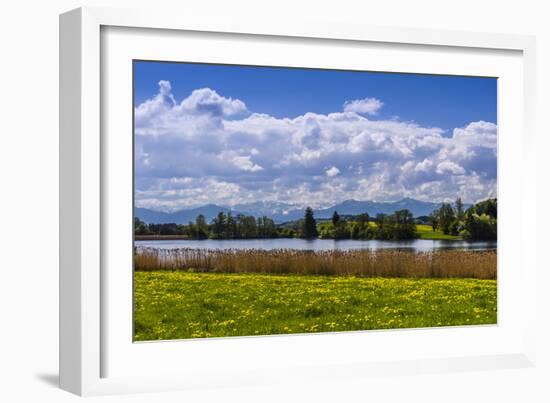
185, 238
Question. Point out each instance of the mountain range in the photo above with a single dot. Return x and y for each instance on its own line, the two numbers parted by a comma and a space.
282, 212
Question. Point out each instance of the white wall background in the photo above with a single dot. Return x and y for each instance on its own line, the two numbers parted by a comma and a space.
29, 201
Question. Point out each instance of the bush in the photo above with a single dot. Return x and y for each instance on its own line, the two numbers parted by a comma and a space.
456, 227
361, 230
480, 227
397, 226
286, 232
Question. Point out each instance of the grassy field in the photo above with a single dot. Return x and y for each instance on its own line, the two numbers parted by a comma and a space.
426, 232
179, 304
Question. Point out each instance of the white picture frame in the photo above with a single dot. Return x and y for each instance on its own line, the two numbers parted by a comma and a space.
88, 332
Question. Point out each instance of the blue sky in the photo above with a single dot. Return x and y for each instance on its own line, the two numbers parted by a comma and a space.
232, 135
430, 100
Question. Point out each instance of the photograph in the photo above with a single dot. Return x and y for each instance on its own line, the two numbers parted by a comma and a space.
291, 200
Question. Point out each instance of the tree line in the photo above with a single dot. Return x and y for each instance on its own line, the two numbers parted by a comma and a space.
223, 226
479, 222
399, 225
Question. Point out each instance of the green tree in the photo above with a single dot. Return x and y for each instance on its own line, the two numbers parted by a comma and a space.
309, 226
201, 227
363, 218
488, 207
266, 227
404, 225
380, 218
459, 209
335, 218
247, 226
140, 228
191, 230
341, 230
360, 228
287, 232
480, 221
167, 229
397, 226
239, 226
326, 230
231, 228
219, 224
479, 227
445, 217
433, 219
355, 230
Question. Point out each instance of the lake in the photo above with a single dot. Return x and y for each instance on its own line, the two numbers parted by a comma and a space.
417, 245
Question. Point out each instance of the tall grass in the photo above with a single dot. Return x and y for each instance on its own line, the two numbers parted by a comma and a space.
366, 263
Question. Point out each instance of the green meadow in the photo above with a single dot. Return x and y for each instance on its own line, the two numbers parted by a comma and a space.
181, 304
426, 232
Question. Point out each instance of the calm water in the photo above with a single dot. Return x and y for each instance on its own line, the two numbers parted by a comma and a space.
418, 245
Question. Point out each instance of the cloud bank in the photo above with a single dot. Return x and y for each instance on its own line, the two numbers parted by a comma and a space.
209, 148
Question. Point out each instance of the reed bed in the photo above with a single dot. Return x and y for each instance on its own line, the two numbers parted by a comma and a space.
364, 263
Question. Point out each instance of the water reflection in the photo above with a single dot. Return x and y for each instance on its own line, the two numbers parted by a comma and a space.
417, 245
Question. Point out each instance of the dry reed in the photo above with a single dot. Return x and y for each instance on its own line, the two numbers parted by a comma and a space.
366, 263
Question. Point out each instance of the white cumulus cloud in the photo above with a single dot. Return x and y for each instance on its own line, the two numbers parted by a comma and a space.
206, 100
332, 171
367, 106
244, 163
449, 167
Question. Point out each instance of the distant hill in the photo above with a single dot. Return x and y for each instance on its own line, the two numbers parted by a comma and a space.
282, 212
209, 211
269, 209
152, 216
354, 207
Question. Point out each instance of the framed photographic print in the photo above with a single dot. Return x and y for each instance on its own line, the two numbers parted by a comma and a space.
268, 201
297, 203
